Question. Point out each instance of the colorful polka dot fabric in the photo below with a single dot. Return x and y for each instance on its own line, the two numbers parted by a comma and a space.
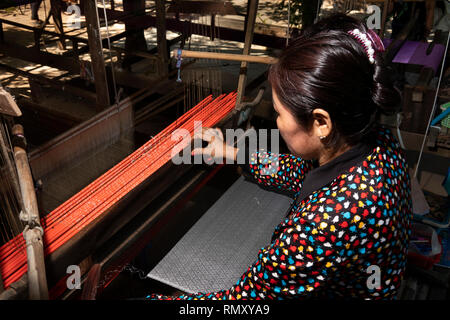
331, 241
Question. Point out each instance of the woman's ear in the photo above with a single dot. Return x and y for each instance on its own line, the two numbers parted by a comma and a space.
322, 125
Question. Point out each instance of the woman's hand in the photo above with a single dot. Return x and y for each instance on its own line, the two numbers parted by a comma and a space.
217, 149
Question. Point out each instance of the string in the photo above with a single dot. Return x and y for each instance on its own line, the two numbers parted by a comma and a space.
12, 225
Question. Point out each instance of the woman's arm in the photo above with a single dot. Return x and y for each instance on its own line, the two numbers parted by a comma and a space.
283, 171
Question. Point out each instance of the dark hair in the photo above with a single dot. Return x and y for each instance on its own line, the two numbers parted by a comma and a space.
325, 67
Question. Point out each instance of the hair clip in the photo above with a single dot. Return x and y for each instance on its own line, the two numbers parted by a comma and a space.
366, 43
376, 41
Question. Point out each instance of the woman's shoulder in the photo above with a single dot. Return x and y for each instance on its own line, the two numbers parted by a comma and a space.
383, 137
385, 166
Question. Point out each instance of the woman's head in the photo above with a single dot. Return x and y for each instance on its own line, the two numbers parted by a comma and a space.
325, 80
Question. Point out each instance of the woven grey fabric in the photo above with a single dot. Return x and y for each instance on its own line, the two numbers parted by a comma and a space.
220, 247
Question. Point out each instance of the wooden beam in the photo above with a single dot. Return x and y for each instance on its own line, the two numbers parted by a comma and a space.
203, 7
55, 9
161, 35
252, 8
71, 64
135, 38
225, 56
96, 53
429, 6
41, 57
51, 82
41, 31
172, 24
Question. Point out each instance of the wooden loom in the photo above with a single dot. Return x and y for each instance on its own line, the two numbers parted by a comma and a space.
70, 223
65, 246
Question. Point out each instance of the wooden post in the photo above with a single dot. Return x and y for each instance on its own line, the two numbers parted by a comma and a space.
37, 280
384, 17
37, 39
2, 36
82, 6
76, 53
429, 7
252, 8
213, 27
161, 35
56, 7
135, 39
36, 91
96, 53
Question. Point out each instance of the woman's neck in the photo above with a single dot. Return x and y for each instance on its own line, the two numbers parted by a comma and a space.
328, 154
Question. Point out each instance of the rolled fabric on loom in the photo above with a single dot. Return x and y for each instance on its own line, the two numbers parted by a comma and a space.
94, 200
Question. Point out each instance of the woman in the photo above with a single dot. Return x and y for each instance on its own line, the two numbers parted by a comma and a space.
347, 233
